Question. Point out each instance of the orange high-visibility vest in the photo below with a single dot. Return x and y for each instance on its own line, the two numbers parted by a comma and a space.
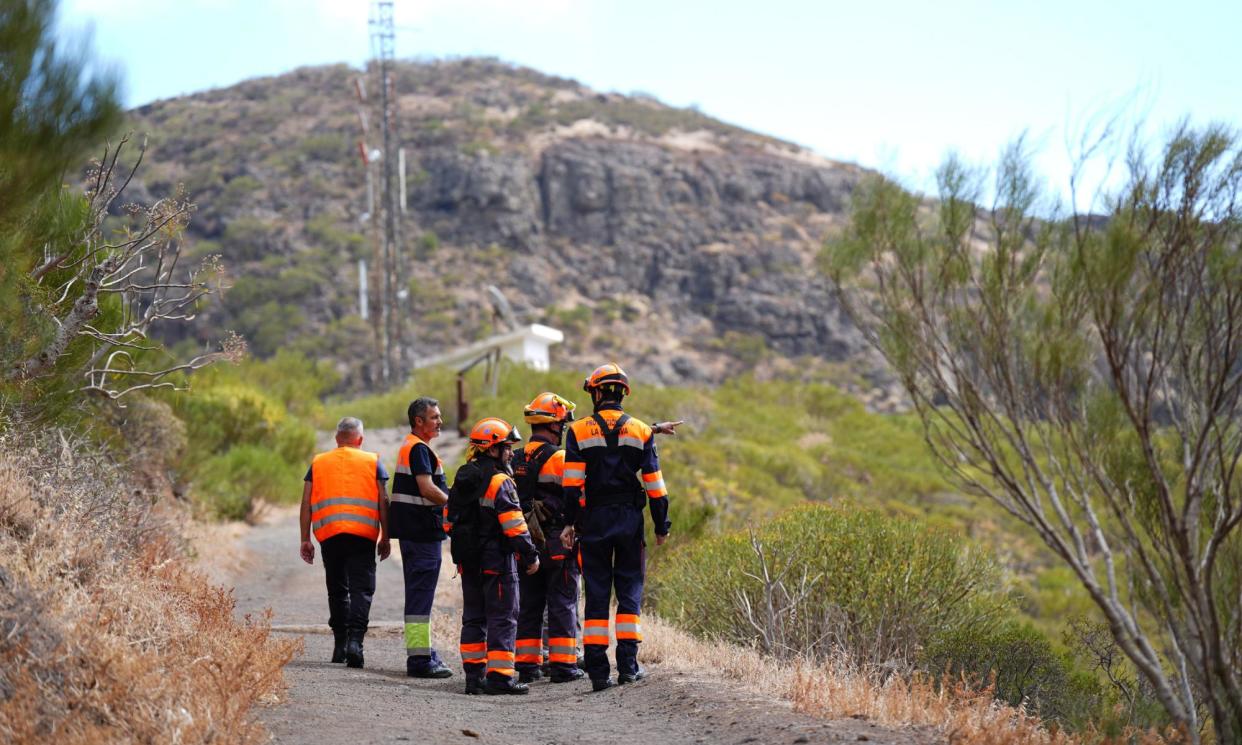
344, 495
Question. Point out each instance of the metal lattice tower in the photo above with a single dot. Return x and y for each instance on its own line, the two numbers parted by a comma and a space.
394, 292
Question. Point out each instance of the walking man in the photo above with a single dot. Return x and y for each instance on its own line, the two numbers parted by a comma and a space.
604, 500
419, 492
343, 501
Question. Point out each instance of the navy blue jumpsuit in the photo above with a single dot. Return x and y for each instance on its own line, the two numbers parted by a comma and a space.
604, 499
489, 581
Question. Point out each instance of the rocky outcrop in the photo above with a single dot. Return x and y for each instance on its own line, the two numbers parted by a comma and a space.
653, 235
645, 219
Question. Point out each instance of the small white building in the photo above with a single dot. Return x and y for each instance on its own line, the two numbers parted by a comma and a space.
527, 345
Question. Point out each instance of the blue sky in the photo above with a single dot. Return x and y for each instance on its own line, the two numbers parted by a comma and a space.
887, 85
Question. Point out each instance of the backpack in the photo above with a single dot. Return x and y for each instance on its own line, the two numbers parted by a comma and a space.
526, 472
465, 537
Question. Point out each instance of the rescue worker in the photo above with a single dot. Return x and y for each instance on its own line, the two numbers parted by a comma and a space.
537, 473
343, 501
488, 533
552, 592
604, 499
419, 492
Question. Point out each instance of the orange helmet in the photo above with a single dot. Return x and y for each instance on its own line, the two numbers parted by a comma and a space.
605, 375
548, 408
492, 431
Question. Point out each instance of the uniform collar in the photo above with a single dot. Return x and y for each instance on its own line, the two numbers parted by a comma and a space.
609, 406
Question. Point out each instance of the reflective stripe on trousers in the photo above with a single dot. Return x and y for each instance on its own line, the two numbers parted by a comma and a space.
418, 634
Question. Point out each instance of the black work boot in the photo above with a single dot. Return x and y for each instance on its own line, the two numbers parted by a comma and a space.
338, 646
433, 669
638, 674
474, 686
566, 676
494, 688
353, 650
601, 684
530, 675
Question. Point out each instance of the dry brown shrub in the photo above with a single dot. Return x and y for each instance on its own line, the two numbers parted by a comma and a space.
962, 714
106, 633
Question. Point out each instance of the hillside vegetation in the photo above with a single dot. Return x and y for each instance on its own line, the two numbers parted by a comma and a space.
659, 234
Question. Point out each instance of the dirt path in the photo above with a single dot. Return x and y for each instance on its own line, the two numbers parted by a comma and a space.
330, 703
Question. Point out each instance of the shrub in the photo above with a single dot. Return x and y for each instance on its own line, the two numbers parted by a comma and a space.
1022, 665
822, 579
108, 635
229, 485
244, 445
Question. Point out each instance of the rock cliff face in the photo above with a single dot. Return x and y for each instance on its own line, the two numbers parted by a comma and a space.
675, 244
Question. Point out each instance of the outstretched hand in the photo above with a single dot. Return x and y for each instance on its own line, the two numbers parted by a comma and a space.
308, 552
667, 428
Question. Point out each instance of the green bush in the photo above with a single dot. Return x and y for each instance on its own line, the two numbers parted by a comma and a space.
245, 441
227, 486
1023, 666
838, 578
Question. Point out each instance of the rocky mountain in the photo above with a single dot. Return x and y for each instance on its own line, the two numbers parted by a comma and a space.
676, 244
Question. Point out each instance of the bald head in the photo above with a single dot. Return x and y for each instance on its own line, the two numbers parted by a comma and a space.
349, 431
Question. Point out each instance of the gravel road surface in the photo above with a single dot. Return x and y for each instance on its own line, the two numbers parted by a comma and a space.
329, 703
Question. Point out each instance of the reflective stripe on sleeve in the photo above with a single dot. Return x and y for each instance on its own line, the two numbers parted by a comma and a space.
574, 475
512, 523
654, 484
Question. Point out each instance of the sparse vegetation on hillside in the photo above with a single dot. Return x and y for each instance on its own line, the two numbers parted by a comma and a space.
273, 166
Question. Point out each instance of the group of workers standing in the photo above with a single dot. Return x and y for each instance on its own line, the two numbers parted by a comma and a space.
524, 524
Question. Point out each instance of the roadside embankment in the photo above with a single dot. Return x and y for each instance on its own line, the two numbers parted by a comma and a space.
107, 632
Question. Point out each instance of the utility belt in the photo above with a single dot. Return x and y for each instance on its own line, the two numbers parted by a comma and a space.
607, 499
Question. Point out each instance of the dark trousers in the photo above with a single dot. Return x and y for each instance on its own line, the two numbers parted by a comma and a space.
349, 565
613, 556
420, 563
488, 624
553, 588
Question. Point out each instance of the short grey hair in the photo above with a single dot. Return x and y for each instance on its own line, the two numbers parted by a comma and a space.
349, 427
419, 407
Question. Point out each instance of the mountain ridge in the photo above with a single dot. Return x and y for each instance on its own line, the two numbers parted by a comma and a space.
651, 234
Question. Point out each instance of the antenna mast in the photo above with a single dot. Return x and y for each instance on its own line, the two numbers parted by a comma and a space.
393, 286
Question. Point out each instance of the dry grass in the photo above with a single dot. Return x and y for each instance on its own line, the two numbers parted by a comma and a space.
106, 634
957, 712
